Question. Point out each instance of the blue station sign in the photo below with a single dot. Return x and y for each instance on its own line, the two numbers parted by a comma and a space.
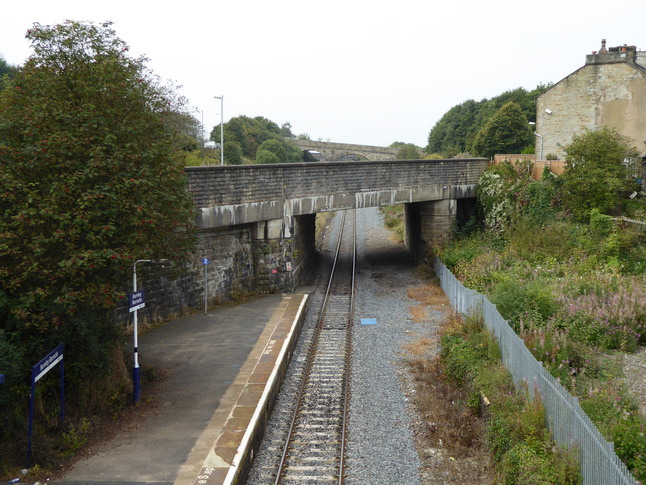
136, 300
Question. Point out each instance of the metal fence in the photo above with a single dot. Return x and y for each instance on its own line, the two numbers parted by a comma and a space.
568, 423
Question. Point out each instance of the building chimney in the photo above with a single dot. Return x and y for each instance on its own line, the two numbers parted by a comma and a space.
603, 49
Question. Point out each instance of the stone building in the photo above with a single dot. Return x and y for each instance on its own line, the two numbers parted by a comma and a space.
609, 90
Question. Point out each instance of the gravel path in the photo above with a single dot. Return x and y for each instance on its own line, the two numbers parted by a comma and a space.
381, 448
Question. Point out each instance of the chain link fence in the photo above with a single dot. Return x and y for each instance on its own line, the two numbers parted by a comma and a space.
568, 423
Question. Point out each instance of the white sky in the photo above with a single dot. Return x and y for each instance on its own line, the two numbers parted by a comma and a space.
347, 71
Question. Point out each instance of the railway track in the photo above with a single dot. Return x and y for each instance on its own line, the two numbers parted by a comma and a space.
314, 447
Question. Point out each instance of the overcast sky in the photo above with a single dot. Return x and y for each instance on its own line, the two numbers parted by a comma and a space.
347, 71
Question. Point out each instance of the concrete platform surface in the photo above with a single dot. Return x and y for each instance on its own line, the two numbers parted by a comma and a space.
225, 370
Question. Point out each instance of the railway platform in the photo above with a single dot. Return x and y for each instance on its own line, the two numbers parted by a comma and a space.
225, 370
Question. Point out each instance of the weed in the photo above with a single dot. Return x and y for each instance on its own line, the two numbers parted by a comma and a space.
515, 423
75, 437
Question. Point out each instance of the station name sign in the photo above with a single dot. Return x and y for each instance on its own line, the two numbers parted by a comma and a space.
136, 300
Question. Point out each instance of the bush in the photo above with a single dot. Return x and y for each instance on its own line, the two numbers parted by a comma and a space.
630, 444
232, 153
610, 317
596, 173
515, 425
521, 302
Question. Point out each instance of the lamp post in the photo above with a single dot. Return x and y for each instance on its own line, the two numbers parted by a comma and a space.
221, 98
539, 136
136, 371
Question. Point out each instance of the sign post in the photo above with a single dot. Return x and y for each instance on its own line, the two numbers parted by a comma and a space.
136, 302
38, 371
205, 263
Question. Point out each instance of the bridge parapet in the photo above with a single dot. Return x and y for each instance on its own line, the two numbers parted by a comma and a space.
337, 151
231, 195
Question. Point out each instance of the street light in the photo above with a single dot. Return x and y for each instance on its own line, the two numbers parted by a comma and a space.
539, 136
221, 98
136, 371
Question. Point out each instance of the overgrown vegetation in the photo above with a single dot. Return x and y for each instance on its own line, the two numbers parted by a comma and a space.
406, 151
569, 279
91, 180
518, 440
394, 220
457, 130
257, 140
485, 430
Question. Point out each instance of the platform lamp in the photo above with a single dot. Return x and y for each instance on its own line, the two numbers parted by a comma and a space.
539, 136
221, 98
136, 371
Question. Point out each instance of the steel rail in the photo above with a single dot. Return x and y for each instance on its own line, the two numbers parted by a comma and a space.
312, 352
348, 344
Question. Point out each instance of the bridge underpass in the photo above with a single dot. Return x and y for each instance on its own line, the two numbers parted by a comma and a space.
258, 221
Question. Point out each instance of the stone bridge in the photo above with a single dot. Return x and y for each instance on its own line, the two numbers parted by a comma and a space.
258, 221
343, 151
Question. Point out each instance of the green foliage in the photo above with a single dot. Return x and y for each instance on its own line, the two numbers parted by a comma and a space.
572, 290
286, 130
537, 200
515, 424
76, 437
464, 251
608, 407
394, 219
449, 135
497, 194
252, 135
406, 151
90, 181
6, 69
601, 223
434, 156
232, 153
204, 156
265, 156
629, 437
596, 172
12, 366
455, 132
518, 301
187, 129
507, 131
276, 147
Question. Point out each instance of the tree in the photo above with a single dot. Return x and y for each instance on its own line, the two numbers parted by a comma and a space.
250, 133
457, 129
406, 151
188, 130
276, 147
265, 156
232, 153
506, 132
449, 135
90, 182
596, 172
5, 69
286, 130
